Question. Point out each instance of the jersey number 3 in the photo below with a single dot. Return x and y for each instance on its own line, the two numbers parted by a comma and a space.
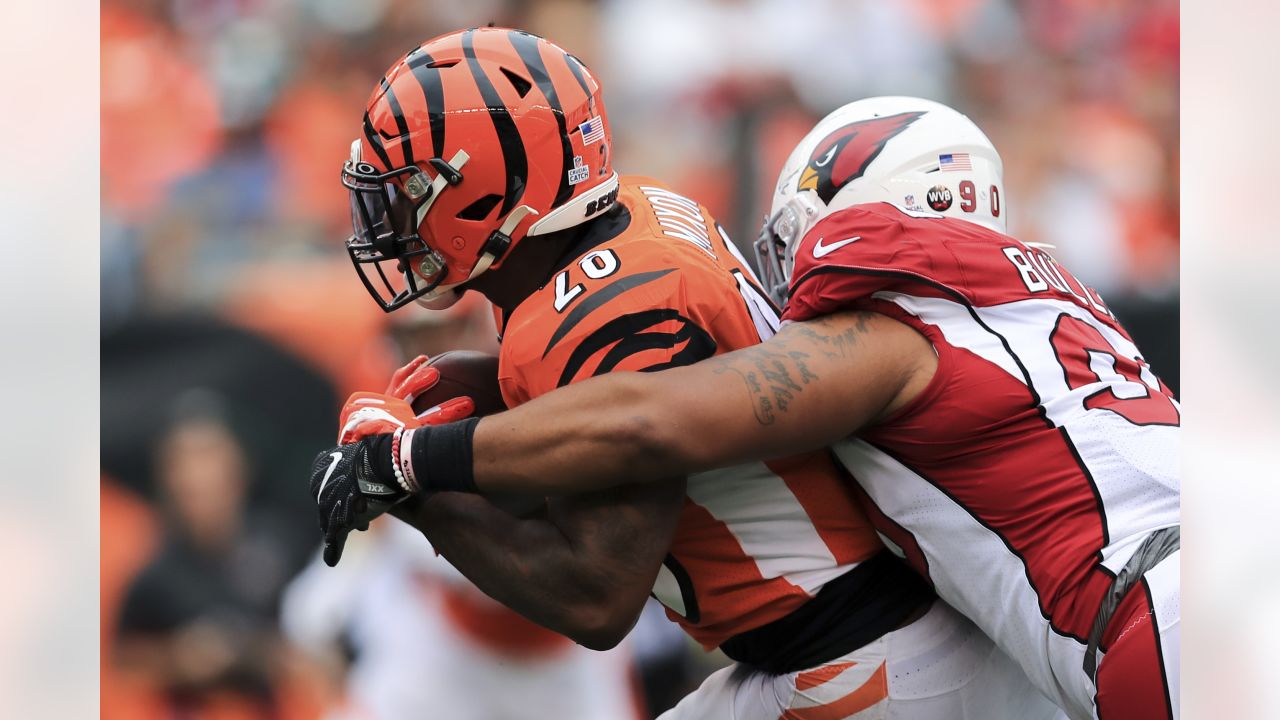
1132, 391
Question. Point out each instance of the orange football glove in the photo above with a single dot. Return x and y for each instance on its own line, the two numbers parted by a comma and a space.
413, 379
368, 413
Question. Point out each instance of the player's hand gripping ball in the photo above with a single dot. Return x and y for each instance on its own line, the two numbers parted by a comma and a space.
452, 376
473, 376
351, 483
415, 397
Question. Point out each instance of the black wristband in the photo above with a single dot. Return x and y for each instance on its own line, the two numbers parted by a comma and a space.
441, 457
380, 459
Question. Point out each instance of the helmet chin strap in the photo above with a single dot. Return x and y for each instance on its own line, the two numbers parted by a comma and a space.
442, 302
488, 257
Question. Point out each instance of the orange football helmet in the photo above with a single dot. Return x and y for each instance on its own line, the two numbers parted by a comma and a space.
471, 142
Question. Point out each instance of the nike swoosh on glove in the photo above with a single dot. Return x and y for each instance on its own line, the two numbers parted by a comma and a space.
351, 485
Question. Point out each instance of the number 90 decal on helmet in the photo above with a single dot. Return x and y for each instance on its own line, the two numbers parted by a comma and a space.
471, 142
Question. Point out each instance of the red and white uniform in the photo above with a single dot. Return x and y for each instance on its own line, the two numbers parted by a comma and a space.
1039, 457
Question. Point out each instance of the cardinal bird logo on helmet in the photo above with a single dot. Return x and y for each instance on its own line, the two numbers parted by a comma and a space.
844, 155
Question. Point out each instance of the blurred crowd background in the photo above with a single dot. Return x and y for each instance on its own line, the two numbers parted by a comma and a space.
233, 325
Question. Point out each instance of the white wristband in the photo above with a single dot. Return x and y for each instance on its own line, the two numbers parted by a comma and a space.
404, 463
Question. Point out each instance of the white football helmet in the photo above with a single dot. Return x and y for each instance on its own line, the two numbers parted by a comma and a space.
919, 155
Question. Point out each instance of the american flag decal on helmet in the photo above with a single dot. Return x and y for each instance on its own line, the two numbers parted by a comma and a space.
592, 130
952, 162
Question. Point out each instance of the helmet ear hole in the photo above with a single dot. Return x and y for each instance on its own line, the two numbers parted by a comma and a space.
480, 209
521, 85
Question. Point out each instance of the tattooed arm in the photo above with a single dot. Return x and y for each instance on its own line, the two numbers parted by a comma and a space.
812, 384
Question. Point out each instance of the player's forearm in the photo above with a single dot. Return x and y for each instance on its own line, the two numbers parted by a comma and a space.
528, 565
813, 384
797, 392
608, 431
613, 430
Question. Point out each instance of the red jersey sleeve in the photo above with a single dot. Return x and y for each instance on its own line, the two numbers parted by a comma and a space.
852, 254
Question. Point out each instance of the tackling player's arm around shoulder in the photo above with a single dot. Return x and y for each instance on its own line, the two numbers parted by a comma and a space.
812, 384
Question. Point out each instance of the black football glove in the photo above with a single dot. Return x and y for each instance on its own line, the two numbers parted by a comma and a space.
353, 484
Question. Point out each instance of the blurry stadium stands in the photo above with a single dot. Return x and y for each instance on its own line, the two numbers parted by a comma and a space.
225, 122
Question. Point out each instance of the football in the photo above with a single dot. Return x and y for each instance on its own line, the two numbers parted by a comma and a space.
464, 372
475, 375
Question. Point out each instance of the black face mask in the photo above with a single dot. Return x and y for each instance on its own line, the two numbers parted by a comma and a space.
394, 262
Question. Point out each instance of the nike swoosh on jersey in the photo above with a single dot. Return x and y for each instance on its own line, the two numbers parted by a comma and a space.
820, 250
328, 473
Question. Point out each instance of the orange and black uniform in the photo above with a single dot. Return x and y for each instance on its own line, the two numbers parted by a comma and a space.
654, 284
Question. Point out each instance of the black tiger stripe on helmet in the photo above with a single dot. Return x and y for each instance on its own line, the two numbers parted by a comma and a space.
406, 143
421, 65
579, 70
513, 152
375, 141
526, 45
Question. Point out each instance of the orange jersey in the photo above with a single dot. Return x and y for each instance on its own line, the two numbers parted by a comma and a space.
656, 284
